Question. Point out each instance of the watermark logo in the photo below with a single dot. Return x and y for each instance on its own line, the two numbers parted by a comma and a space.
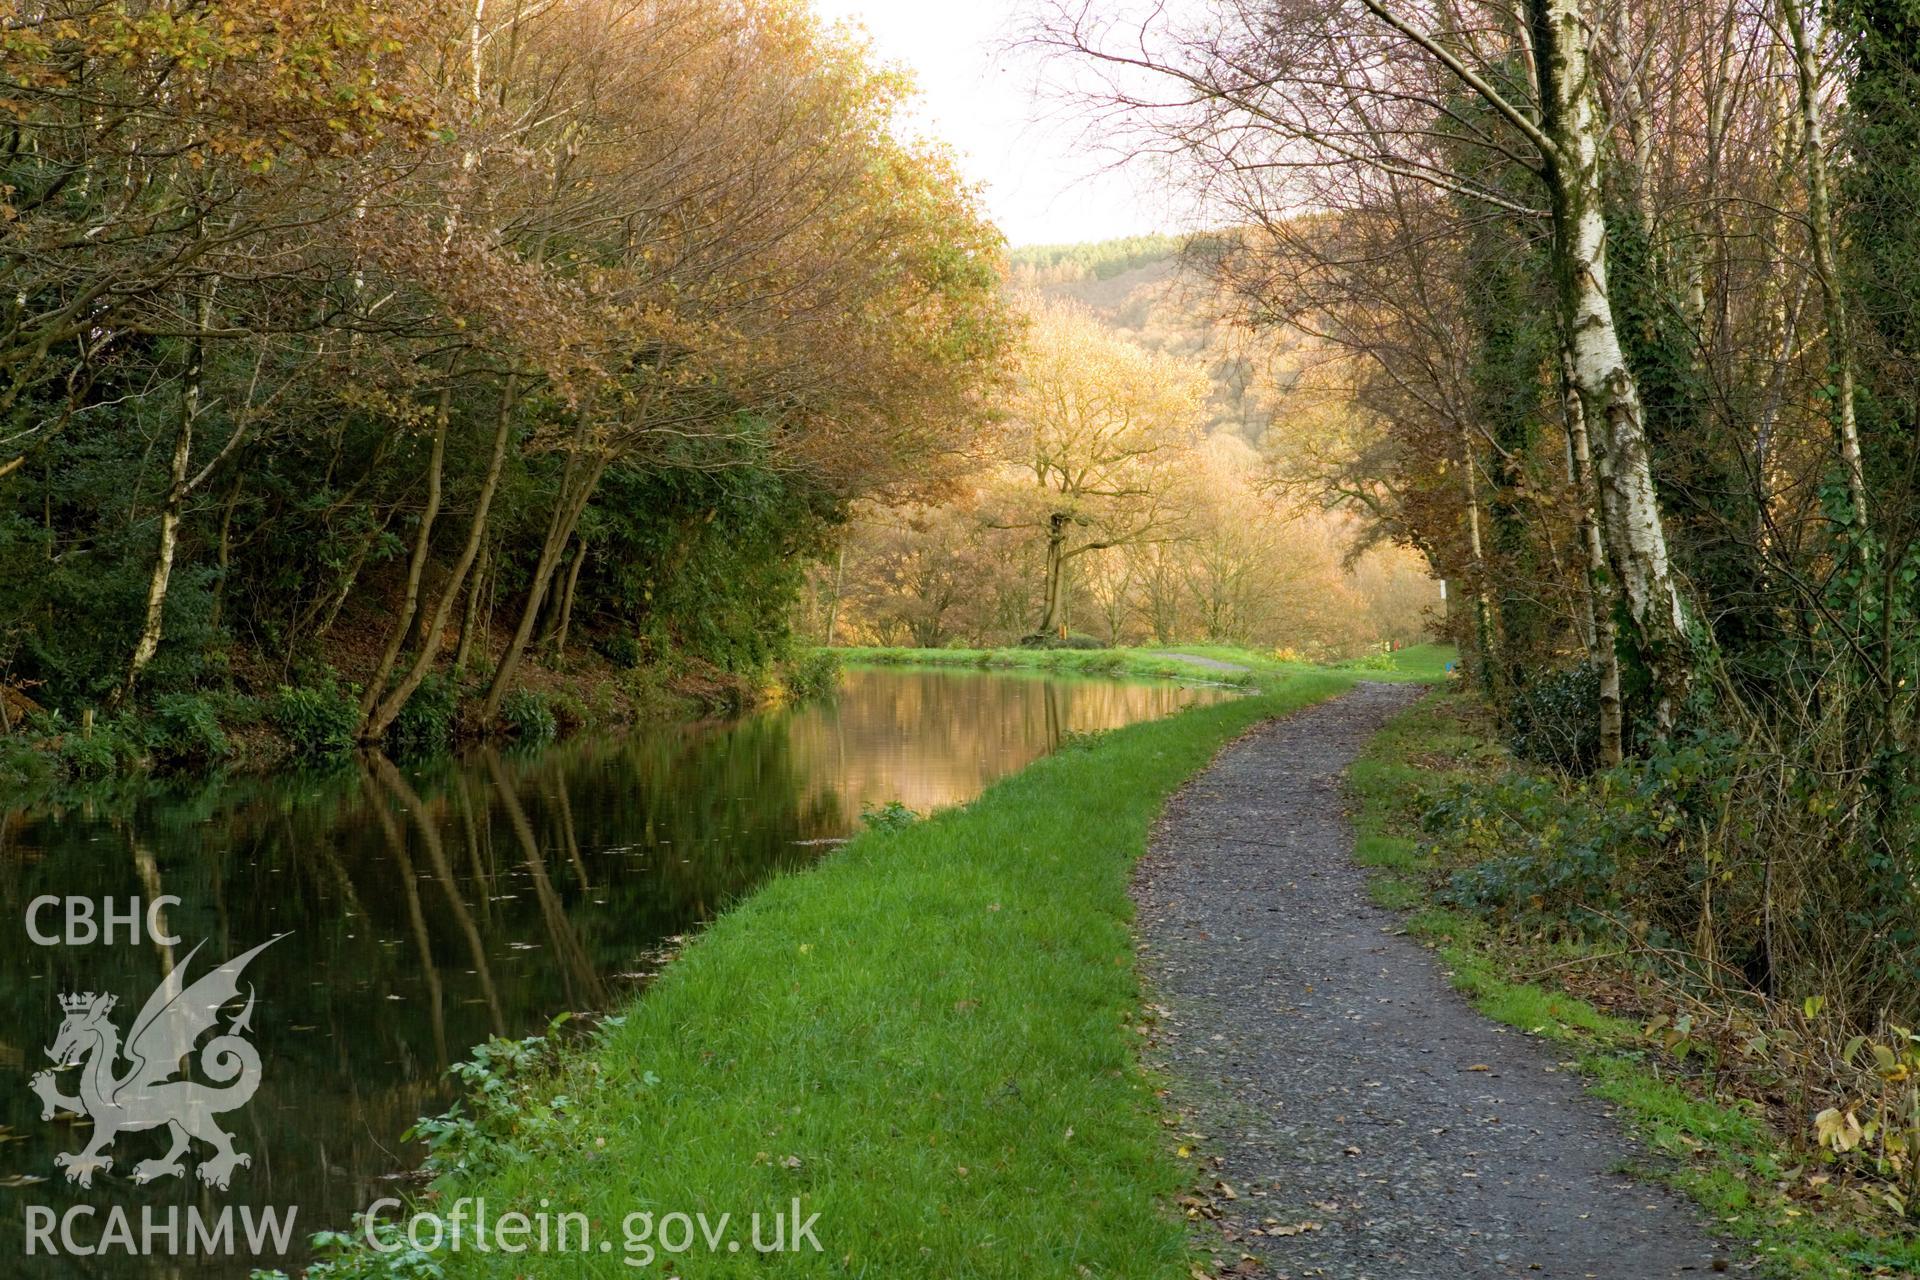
131, 1086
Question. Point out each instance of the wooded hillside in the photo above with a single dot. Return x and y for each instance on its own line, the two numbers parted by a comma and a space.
1164, 523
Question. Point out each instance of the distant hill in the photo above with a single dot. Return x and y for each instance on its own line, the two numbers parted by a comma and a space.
1095, 260
1147, 288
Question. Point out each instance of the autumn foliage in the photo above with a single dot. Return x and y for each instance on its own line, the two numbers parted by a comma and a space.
343, 311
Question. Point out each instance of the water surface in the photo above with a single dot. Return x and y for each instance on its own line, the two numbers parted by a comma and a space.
427, 908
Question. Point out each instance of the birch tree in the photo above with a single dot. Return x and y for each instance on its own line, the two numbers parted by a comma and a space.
1285, 105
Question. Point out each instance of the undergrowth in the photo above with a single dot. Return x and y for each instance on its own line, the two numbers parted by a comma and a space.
1755, 1105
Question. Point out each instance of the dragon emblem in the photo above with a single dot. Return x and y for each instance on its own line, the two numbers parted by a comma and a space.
145, 1095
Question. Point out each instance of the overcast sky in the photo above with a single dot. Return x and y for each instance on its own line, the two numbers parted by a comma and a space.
1041, 186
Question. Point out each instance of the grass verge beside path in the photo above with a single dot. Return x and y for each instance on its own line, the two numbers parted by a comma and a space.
1418, 662
1727, 1158
929, 1040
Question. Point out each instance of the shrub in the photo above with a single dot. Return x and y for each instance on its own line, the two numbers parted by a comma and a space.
318, 719
604, 700
528, 716
1641, 836
1556, 721
646, 688
501, 1111
187, 729
21, 764
814, 676
1534, 850
1073, 640
891, 816
236, 710
110, 749
569, 712
621, 649
425, 723
89, 758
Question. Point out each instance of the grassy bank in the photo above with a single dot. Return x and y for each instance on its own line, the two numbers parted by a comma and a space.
1420, 662
1773, 1191
930, 1041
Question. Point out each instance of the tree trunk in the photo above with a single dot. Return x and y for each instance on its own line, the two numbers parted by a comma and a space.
566, 599
375, 724
1050, 587
1610, 397
1483, 634
578, 481
330, 606
470, 616
175, 500
476, 42
1826, 266
839, 577
403, 621
549, 625
223, 551
416, 632
1603, 641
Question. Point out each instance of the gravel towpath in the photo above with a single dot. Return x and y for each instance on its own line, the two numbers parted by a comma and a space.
1372, 1124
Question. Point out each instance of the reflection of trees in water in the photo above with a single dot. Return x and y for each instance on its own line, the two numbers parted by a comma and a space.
583, 987
936, 738
416, 920
436, 850
429, 909
433, 906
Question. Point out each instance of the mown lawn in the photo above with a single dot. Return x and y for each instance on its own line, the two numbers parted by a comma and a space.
929, 1040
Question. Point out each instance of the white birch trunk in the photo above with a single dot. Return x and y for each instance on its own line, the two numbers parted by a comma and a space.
1629, 510
1599, 599
1825, 265
1483, 633
148, 644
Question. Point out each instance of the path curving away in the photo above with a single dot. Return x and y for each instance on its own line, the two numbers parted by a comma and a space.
1373, 1126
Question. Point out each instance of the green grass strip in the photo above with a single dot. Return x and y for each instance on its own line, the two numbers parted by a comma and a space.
1722, 1154
1417, 662
930, 1040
